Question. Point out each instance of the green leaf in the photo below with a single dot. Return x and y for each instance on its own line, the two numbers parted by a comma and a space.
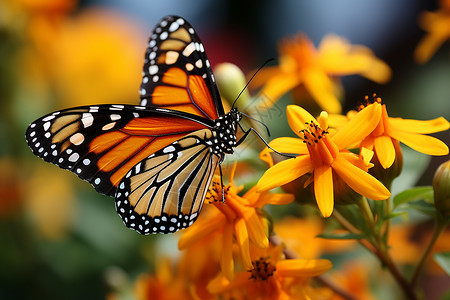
423, 207
443, 260
340, 236
393, 215
418, 193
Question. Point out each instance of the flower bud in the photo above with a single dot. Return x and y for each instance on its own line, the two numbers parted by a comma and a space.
441, 187
231, 80
386, 176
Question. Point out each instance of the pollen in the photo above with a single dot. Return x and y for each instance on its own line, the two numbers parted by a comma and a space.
312, 133
262, 270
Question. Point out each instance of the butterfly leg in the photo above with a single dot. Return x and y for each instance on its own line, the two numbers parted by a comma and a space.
221, 184
262, 139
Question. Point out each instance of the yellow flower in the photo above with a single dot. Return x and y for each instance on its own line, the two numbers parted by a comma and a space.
437, 24
300, 63
273, 277
409, 132
237, 219
325, 156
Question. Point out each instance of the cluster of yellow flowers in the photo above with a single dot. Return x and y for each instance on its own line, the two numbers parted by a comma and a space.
233, 250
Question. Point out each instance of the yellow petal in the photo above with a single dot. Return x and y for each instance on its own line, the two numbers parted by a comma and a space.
321, 88
360, 181
418, 126
422, 143
264, 75
297, 117
277, 86
385, 150
226, 258
359, 127
200, 229
256, 230
243, 242
303, 267
276, 199
289, 145
339, 57
266, 156
284, 172
323, 189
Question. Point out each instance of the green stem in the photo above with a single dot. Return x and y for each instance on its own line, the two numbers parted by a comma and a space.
438, 228
364, 206
376, 247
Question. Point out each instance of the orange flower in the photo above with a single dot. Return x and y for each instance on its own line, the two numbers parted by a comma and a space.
437, 24
238, 219
410, 132
273, 277
300, 63
325, 157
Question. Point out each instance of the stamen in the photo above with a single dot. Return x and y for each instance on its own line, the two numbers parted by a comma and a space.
262, 270
367, 101
313, 133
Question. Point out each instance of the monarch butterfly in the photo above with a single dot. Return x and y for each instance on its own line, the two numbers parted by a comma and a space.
156, 159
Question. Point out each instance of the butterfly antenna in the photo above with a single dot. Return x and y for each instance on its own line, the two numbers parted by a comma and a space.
248, 82
260, 122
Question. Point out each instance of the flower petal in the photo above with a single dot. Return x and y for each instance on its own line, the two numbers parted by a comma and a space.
359, 127
226, 258
385, 150
276, 199
419, 126
297, 117
289, 145
323, 189
303, 267
284, 172
276, 87
256, 230
243, 241
359, 180
422, 143
202, 228
321, 88
339, 57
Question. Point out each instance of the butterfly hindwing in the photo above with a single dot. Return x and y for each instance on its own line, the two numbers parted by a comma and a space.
164, 192
102, 143
177, 72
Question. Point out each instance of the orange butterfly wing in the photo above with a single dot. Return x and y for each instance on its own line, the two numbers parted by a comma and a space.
177, 72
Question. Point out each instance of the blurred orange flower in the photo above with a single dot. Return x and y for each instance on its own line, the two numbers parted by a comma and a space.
95, 56
301, 236
437, 25
300, 63
273, 277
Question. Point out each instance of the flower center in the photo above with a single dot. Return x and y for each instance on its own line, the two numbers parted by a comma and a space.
262, 270
214, 193
321, 148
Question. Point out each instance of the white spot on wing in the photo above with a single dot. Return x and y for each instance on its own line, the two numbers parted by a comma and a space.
188, 49
46, 125
87, 119
74, 157
153, 69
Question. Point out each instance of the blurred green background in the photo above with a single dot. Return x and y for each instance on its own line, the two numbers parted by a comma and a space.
59, 238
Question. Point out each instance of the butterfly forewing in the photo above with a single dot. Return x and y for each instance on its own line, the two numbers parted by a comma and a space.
102, 143
165, 192
177, 72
